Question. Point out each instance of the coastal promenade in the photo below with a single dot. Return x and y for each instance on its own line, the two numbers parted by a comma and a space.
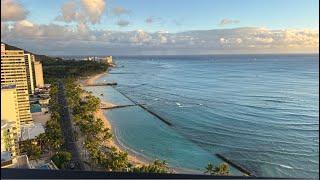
67, 131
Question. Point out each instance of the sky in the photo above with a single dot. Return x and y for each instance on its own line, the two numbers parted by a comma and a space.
161, 27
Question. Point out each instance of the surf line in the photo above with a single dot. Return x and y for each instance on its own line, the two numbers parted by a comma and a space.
146, 109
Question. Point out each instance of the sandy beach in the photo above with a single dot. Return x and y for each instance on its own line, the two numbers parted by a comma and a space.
92, 79
100, 114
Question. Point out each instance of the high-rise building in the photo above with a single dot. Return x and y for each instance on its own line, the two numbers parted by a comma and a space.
13, 72
29, 59
38, 74
9, 106
109, 59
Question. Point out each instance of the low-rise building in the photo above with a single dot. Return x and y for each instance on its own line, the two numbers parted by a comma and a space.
9, 143
21, 162
31, 131
9, 139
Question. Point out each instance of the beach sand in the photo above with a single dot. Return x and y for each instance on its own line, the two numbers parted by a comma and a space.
92, 79
131, 157
138, 161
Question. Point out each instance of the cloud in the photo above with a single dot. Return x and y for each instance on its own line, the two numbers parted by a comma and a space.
83, 11
81, 40
224, 22
94, 9
119, 11
69, 12
154, 20
11, 10
123, 23
25, 23
149, 20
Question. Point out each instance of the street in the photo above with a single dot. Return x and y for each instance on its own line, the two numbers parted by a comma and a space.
67, 131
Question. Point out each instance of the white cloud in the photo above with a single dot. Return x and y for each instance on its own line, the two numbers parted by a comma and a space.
11, 10
69, 12
224, 22
84, 11
123, 23
25, 23
242, 40
120, 10
94, 9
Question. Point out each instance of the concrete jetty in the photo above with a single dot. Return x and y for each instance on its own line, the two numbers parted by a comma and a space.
103, 84
156, 115
237, 166
115, 107
148, 110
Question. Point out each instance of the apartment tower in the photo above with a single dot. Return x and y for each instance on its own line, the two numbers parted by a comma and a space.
13, 72
10, 119
29, 58
38, 74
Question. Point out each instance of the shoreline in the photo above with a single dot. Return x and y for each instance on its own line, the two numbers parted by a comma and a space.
91, 79
132, 157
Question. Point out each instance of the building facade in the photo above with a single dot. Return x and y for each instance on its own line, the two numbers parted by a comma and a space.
9, 106
13, 72
29, 59
38, 74
9, 143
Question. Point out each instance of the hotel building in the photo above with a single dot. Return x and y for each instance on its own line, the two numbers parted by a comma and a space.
9, 106
13, 72
10, 122
29, 59
38, 74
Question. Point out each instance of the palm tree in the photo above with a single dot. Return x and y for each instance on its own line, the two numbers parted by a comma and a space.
209, 169
221, 170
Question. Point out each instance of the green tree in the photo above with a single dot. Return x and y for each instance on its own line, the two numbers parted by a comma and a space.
221, 170
209, 169
61, 159
31, 149
157, 167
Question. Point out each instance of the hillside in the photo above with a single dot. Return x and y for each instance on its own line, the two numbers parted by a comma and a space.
58, 68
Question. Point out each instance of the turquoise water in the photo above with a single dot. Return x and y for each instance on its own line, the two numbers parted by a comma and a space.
35, 108
129, 122
259, 111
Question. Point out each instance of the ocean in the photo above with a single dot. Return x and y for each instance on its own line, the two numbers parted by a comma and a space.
260, 111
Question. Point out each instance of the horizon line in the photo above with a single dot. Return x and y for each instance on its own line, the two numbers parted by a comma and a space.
190, 54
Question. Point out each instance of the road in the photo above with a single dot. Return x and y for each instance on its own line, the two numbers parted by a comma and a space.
67, 131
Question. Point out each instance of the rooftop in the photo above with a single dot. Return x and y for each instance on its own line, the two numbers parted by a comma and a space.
30, 131
6, 124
